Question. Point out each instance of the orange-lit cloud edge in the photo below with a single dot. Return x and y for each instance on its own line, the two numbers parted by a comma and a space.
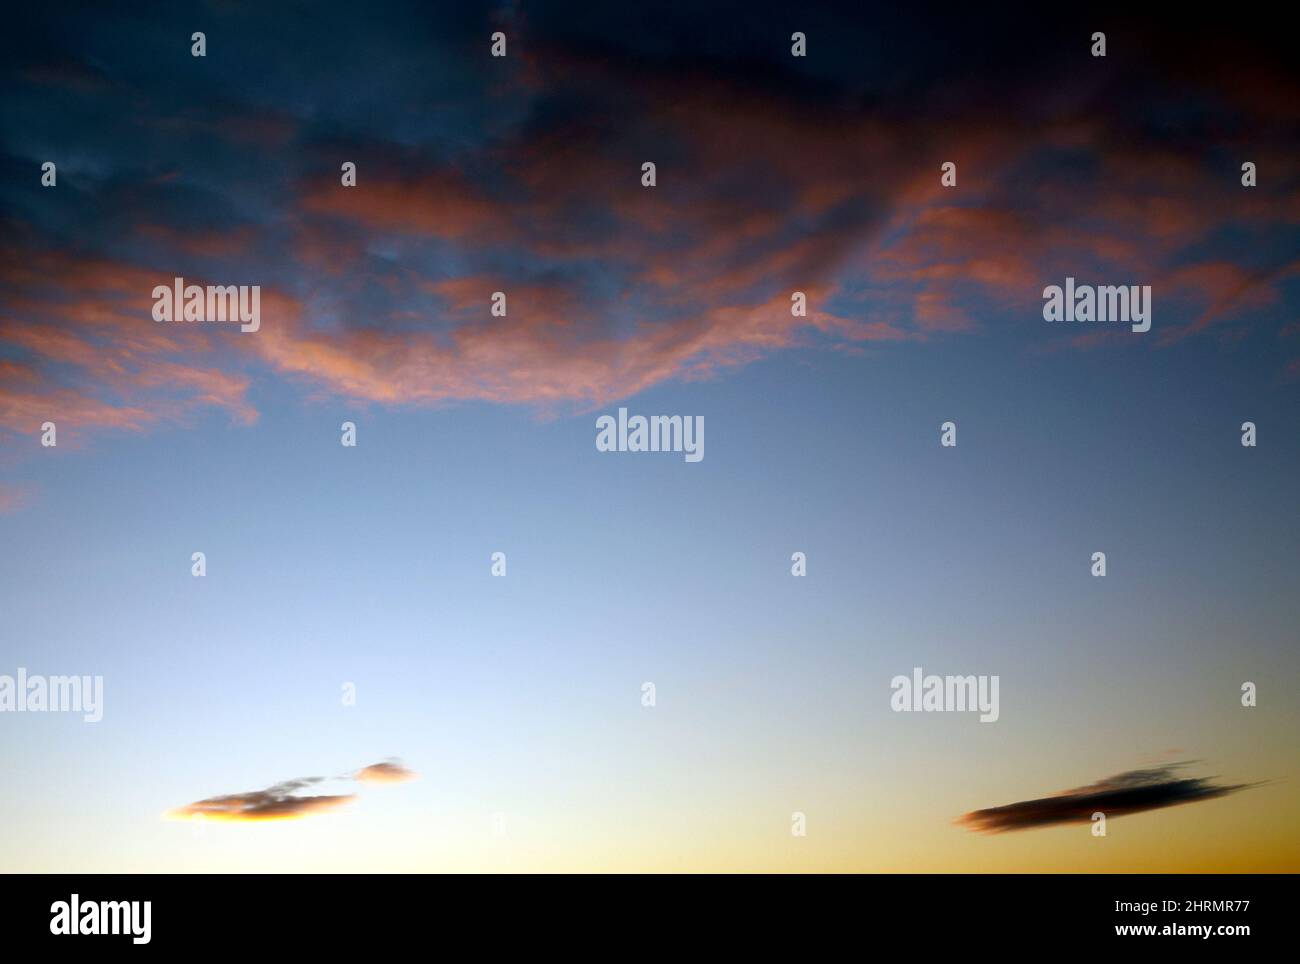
284, 801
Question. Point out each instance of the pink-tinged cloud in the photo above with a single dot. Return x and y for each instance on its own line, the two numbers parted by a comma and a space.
439, 204
389, 771
92, 357
14, 497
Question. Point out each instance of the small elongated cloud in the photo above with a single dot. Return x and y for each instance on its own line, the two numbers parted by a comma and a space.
285, 801
1129, 792
390, 771
279, 802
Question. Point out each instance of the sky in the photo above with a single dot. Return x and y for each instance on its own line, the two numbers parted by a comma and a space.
350, 665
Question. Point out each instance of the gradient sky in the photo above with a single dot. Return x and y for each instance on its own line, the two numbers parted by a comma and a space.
521, 696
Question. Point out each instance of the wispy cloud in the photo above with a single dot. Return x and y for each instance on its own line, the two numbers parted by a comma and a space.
1129, 792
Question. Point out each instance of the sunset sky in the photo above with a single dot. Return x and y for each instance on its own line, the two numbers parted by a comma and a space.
498, 722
